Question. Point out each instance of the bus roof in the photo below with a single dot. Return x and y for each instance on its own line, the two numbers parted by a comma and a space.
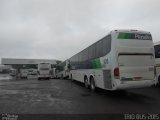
130, 31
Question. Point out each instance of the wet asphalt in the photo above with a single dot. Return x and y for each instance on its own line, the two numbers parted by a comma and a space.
56, 96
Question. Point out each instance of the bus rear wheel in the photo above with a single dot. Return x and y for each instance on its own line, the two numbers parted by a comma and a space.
92, 84
86, 82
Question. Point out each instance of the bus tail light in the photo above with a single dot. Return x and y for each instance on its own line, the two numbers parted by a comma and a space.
116, 72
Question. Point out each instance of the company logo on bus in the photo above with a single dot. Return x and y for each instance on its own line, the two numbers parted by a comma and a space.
136, 36
143, 36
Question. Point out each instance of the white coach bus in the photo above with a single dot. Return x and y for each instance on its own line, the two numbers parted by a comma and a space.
44, 71
157, 59
122, 59
63, 70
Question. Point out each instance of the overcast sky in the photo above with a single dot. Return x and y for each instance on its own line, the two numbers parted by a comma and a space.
58, 29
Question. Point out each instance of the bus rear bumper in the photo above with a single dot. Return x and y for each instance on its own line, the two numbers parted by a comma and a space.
133, 84
44, 76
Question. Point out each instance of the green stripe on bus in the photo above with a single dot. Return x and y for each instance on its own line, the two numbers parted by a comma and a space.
96, 63
93, 64
124, 35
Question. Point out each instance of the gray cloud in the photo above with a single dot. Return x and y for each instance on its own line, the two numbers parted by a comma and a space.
58, 29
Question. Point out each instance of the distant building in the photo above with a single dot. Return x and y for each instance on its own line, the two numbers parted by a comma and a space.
26, 63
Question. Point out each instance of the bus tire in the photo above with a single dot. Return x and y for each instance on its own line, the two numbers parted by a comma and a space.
86, 82
92, 84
